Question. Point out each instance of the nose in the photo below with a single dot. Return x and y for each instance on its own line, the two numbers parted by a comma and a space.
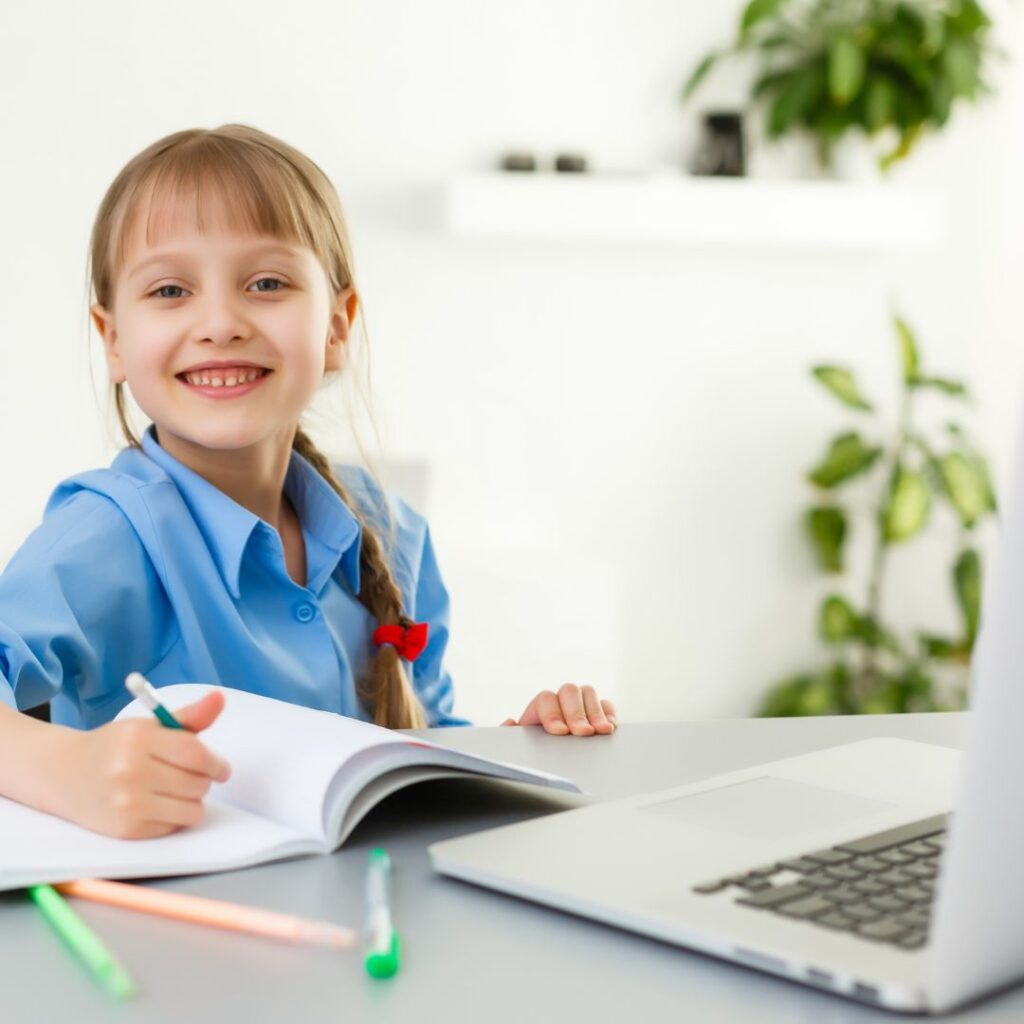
221, 320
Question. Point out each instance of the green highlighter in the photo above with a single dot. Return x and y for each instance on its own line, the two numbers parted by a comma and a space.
141, 688
382, 947
82, 941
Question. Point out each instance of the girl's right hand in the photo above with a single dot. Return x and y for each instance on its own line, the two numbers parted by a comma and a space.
137, 779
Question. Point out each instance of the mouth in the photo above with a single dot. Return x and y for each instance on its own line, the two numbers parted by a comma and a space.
224, 381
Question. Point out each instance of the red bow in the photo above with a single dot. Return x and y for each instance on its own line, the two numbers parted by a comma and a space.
408, 642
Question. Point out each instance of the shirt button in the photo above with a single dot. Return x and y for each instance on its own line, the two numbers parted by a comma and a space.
305, 612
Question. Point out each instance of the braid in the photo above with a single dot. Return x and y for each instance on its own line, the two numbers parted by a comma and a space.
385, 691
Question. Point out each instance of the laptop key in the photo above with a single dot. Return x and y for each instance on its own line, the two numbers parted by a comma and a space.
819, 881
837, 921
895, 876
923, 869
861, 912
870, 887
895, 857
912, 940
913, 894
868, 864
884, 930
754, 884
805, 908
843, 894
896, 836
844, 873
888, 904
709, 887
919, 848
774, 897
800, 865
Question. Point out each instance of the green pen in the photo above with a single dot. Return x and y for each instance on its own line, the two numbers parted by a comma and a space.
382, 949
139, 686
82, 941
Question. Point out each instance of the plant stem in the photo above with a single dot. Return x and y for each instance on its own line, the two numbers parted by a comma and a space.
869, 669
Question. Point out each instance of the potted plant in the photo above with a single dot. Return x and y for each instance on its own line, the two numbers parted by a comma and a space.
872, 669
878, 67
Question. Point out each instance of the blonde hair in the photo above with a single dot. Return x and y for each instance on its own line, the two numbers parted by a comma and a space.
268, 188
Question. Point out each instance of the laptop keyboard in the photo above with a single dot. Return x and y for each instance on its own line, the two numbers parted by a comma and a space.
879, 887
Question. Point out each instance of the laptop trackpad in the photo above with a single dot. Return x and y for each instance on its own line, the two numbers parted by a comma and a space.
768, 808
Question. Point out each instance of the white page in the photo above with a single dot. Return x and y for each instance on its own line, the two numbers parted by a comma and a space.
37, 847
283, 756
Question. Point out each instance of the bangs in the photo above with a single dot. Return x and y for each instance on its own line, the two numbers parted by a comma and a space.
211, 184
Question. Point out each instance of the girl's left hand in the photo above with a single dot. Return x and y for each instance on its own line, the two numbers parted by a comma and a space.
574, 709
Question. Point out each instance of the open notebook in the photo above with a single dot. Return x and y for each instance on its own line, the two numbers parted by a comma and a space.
300, 782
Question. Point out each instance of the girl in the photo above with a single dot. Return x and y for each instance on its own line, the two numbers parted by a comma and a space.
220, 547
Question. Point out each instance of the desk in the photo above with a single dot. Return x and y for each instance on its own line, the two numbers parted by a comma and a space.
470, 955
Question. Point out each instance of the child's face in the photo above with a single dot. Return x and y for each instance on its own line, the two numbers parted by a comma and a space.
252, 305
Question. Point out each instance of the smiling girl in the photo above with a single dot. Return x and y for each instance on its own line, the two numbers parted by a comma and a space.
221, 546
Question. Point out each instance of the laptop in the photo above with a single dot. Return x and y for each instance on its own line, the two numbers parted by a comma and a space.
886, 871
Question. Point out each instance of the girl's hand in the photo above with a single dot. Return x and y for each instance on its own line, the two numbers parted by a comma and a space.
573, 709
137, 779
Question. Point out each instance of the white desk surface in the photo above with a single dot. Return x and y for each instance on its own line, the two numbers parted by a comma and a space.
469, 954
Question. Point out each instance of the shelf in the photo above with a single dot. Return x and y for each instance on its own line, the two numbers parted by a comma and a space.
693, 211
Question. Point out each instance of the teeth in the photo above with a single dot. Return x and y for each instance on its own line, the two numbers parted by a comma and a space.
224, 378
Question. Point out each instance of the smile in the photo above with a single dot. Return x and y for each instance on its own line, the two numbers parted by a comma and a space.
224, 381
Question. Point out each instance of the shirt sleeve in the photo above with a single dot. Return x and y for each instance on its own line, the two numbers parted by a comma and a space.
80, 607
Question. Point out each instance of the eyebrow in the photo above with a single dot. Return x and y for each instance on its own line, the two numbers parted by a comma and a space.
263, 250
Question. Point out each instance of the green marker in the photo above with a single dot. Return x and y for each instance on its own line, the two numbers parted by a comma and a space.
382, 951
82, 941
139, 686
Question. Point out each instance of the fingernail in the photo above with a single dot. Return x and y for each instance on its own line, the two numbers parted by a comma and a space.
559, 727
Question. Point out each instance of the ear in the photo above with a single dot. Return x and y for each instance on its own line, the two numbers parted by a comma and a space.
342, 316
104, 321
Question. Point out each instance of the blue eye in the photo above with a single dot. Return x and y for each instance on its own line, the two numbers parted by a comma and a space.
164, 286
271, 279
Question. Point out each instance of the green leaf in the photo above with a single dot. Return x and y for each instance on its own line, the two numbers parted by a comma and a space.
879, 103
953, 388
826, 526
967, 583
944, 649
796, 94
846, 66
757, 11
847, 457
700, 72
909, 503
842, 383
968, 487
908, 350
961, 62
837, 621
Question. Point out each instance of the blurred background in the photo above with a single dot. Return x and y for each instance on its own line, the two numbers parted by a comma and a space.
594, 382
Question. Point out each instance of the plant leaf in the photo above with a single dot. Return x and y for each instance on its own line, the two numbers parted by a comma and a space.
847, 457
757, 11
944, 649
826, 526
968, 486
846, 67
908, 350
837, 621
954, 388
967, 583
700, 72
879, 103
909, 503
842, 383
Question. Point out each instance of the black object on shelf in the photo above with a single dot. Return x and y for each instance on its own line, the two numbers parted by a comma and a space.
721, 152
571, 163
520, 160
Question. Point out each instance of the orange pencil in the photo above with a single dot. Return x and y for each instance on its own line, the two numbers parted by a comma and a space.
217, 913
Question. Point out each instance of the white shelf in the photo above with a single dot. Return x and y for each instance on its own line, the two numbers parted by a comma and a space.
690, 211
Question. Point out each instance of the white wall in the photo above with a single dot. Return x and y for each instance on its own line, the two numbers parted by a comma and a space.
616, 434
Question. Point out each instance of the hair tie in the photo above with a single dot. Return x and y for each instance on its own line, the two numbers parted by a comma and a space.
409, 642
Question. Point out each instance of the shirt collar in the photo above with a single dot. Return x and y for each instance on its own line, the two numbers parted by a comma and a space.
330, 529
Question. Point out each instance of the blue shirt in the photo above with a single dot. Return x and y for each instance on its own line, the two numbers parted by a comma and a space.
145, 566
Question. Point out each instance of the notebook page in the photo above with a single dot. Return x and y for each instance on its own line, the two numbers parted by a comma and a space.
283, 756
38, 847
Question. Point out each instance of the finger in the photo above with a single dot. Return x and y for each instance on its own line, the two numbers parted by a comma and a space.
595, 712
202, 713
610, 713
509, 721
170, 780
575, 715
545, 710
184, 750
167, 810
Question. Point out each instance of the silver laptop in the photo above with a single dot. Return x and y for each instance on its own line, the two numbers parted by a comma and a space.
887, 871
